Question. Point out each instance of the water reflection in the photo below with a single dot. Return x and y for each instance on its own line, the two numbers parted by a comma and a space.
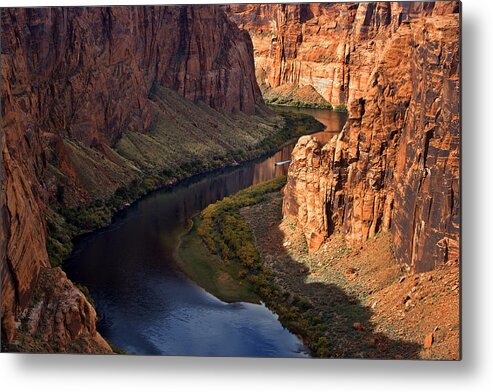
147, 305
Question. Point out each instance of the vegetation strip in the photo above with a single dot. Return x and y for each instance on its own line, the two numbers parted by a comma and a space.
303, 104
64, 223
209, 271
227, 235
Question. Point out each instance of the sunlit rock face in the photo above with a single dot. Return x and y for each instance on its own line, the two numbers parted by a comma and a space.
73, 80
395, 165
330, 48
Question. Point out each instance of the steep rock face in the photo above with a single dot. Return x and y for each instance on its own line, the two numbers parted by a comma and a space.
74, 79
85, 74
61, 319
427, 184
331, 47
23, 250
395, 165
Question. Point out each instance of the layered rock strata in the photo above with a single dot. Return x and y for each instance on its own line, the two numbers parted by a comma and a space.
395, 165
74, 80
331, 47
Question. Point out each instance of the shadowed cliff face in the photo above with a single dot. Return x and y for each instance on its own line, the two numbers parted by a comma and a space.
78, 78
395, 165
323, 52
87, 72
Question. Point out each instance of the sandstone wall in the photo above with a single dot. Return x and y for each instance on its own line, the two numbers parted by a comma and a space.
87, 72
395, 165
331, 48
82, 76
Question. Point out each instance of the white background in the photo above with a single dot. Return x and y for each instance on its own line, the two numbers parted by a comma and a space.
88, 373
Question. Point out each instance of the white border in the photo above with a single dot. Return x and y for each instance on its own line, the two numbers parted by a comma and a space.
88, 373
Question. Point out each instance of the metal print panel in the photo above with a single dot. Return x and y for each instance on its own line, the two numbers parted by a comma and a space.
262, 180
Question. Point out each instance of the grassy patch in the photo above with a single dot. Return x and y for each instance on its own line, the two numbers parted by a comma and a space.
170, 152
226, 234
208, 270
287, 101
292, 95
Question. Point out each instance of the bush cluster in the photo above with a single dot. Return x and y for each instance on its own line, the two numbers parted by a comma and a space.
287, 101
65, 223
226, 233
341, 108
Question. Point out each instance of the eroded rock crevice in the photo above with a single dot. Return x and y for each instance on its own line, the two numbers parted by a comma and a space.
324, 53
396, 163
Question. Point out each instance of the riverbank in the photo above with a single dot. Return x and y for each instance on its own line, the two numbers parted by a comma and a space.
371, 308
301, 97
343, 302
225, 235
66, 223
209, 271
279, 104
286, 102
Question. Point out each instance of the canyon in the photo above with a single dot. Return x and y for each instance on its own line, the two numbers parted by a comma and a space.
395, 166
324, 52
109, 103
75, 82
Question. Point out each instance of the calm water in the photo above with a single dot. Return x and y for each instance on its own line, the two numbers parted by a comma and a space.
147, 305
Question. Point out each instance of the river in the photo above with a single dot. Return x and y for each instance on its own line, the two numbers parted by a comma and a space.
146, 305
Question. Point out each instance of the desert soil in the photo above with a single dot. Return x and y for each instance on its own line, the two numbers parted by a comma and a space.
373, 307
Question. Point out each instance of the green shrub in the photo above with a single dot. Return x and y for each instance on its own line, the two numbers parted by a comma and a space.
340, 108
74, 221
225, 232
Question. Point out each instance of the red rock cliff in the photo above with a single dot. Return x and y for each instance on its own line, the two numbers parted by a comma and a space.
395, 165
324, 52
83, 75
87, 71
